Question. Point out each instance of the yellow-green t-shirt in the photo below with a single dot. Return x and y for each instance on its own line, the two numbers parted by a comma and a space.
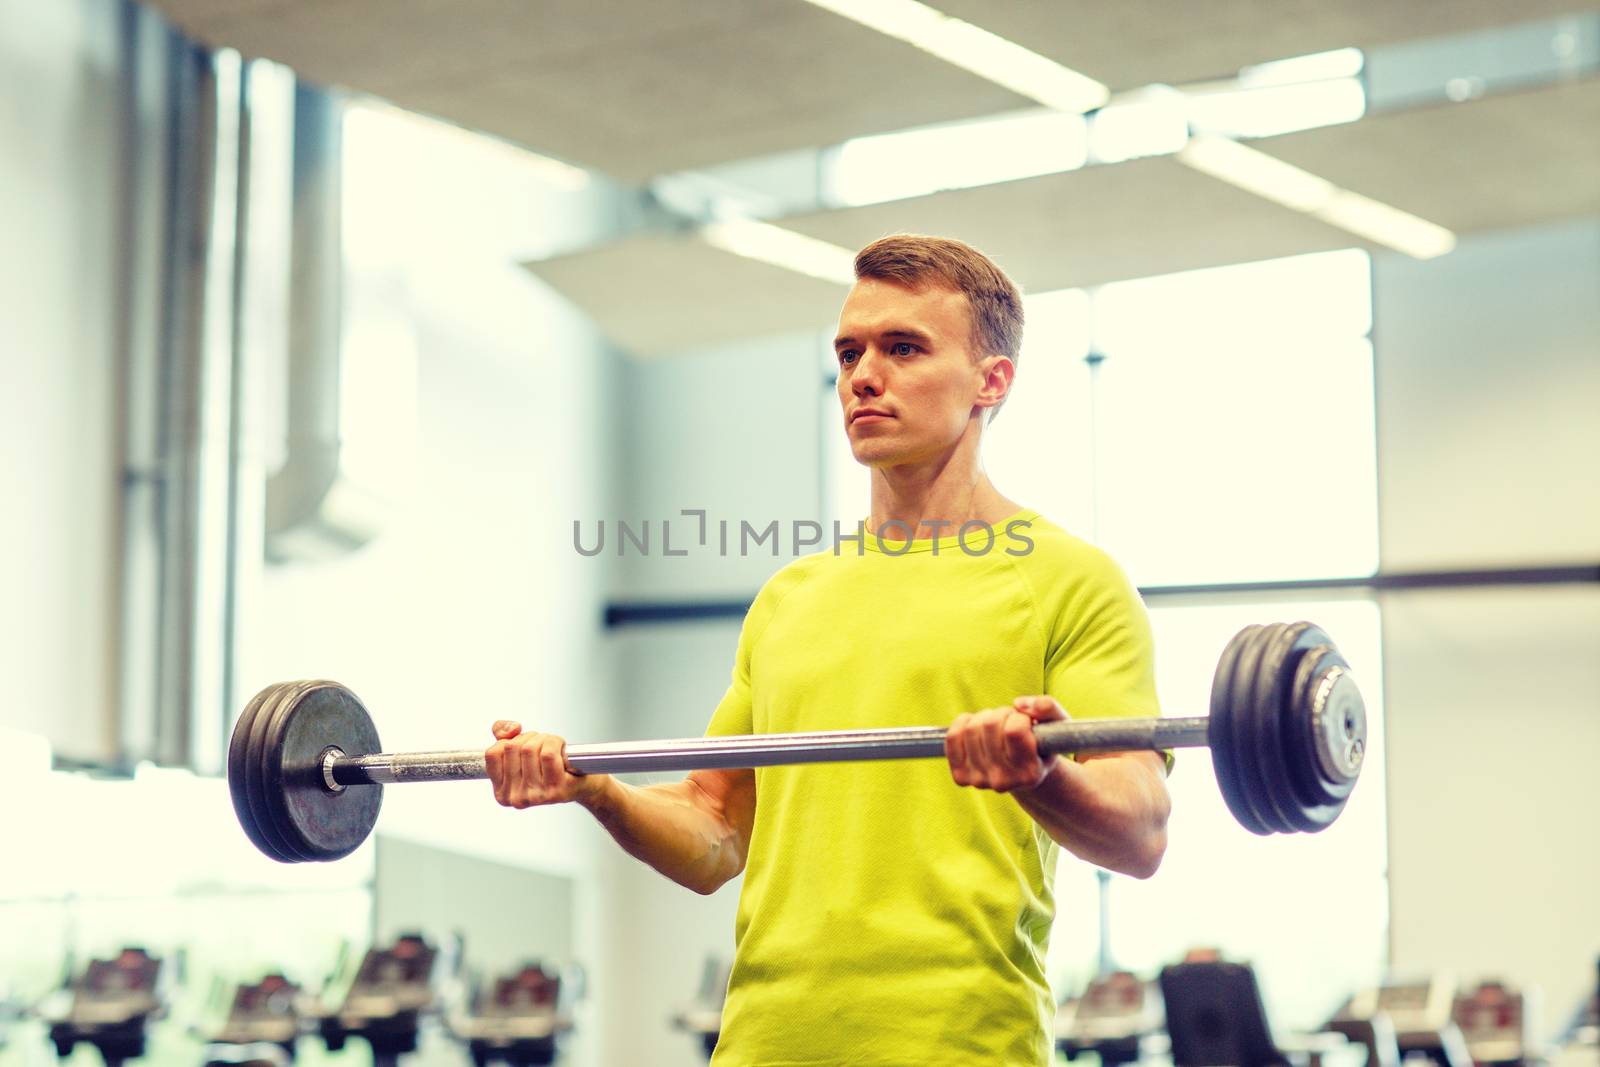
889, 916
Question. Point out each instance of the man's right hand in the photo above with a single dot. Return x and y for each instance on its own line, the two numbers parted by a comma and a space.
528, 770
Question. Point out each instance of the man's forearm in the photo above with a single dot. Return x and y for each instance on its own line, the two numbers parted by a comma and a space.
673, 827
1110, 812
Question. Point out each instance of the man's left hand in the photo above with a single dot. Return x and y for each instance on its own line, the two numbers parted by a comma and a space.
995, 748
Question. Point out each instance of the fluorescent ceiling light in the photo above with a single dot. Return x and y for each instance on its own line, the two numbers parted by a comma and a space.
779, 247
1277, 109
1152, 121
1283, 183
1256, 172
1387, 225
975, 49
1319, 66
894, 166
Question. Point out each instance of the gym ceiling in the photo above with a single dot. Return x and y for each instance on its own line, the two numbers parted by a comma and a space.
636, 89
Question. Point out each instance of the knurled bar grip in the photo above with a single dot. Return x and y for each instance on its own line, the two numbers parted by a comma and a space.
768, 750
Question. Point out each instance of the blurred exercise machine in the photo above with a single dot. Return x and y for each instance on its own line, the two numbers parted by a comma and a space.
518, 1019
1374, 1032
1500, 1025
393, 988
1114, 1018
1215, 1016
112, 1005
262, 1026
1420, 1013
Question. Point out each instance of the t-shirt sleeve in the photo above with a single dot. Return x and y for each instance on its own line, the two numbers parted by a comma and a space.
735, 712
1100, 652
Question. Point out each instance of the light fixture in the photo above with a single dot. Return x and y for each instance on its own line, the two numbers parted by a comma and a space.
1297, 70
958, 155
1387, 225
1283, 183
1152, 121
972, 48
779, 247
1256, 172
1272, 110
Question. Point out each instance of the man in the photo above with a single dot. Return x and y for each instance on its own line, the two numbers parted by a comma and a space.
889, 916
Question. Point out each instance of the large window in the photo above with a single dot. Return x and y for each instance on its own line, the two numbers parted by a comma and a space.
1213, 427
1234, 416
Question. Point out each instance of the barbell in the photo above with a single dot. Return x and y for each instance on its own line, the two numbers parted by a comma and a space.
1287, 733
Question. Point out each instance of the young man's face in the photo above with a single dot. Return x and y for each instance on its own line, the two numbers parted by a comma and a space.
907, 354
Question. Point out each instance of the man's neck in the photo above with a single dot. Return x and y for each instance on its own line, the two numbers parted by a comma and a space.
934, 500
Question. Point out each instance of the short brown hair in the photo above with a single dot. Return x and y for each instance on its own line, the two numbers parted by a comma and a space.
915, 260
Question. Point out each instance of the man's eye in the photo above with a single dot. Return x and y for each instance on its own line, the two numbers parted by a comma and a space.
847, 356
906, 345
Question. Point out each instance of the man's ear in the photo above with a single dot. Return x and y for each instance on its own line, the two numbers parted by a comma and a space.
998, 374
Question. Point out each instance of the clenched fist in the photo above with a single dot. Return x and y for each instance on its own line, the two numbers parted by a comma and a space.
528, 770
995, 748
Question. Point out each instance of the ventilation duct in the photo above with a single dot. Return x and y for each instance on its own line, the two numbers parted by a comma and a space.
184, 137
314, 509
199, 512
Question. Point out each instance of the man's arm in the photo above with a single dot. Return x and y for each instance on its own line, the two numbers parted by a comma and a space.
696, 832
1109, 810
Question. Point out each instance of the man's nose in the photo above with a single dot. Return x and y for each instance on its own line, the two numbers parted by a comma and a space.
867, 375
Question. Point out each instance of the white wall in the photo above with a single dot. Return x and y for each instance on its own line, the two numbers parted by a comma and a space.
1494, 722
59, 434
732, 430
1488, 388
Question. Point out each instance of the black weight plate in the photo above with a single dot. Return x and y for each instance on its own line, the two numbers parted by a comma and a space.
1308, 779
271, 755
238, 754
1274, 695
1276, 688
1314, 784
255, 788
268, 774
320, 824
1246, 758
1221, 733
1324, 795
1256, 724
261, 769
1279, 670
1282, 675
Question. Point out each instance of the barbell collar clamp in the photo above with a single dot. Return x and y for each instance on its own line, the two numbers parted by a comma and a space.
1339, 713
330, 757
